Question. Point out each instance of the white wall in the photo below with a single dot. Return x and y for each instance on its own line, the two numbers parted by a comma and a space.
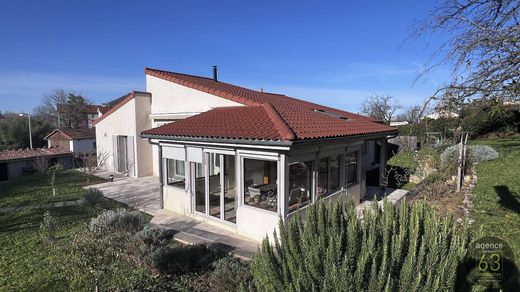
128, 120
174, 99
83, 146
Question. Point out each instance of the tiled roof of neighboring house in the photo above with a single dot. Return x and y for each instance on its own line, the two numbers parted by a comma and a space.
117, 103
73, 134
292, 118
9, 155
87, 109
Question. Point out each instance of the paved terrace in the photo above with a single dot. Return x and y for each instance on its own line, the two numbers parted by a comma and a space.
143, 194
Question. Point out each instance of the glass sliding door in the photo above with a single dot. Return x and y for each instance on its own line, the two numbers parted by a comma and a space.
214, 191
230, 188
199, 189
215, 186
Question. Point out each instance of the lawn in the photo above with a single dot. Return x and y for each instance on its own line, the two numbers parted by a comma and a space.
496, 197
35, 189
27, 263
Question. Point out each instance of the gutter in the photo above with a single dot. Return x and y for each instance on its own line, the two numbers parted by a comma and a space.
161, 178
219, 140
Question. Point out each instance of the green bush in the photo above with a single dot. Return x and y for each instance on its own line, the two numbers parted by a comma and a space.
177, 259
476, 153
406, 248
229, 274
486, 120
93, 197
119, 220
48, 227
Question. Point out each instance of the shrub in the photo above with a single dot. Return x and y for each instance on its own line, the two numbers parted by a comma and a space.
476, 153
177, 259
405, 248
119, 220
48, 227
155, 236
93, 197
229, 273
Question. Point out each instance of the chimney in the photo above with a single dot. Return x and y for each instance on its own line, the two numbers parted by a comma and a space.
215, 73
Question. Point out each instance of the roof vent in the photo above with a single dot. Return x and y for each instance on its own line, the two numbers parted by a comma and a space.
215, 73
331, 114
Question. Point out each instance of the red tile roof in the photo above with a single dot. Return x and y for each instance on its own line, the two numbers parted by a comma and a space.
87, 109
21, 154
289, 118
73, 134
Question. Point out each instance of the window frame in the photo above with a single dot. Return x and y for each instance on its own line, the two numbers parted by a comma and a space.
357, 156
182, 178
272, 157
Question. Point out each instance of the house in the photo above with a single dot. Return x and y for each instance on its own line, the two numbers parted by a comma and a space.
77, 141
240, 158
17, 163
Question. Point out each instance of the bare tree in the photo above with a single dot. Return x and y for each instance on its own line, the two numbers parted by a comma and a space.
48, 110
380, 107
92, 163
483, 48
411, 114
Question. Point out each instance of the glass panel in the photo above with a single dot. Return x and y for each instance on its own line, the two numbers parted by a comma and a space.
199, 187
351, 168
334, 174
230, 208
299, 184
174, 177
323, 178
260, 185
214, 184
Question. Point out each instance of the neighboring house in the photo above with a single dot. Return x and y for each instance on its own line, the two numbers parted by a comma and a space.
17, 163
241, 158
89, 114
77, 141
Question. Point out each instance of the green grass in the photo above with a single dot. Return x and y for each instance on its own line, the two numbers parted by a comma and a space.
496, 197
402, 159
35, 189
28, 263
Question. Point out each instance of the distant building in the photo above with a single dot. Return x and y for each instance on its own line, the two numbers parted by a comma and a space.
77, 141
17, 163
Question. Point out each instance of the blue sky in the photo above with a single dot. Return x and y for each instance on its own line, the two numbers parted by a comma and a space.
333, 53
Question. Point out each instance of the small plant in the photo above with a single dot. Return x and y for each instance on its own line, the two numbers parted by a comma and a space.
48, 227
93, 197
229, 273
52, 173
481, 153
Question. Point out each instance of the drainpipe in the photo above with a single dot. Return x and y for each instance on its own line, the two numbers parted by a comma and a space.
161, 179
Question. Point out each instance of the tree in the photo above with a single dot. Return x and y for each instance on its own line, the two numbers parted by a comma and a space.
483, 48
52, 173
48, 110
403, 248
380, 107
73, 111
14, 132
411, 115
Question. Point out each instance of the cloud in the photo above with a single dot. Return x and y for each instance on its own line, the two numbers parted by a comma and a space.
22, 91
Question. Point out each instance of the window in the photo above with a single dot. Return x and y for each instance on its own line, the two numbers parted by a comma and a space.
334, 171
260, 184
351, 168
323, 178
300, 175
175, 173
328, 176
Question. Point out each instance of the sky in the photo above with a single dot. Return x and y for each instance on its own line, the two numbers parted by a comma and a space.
334, 53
